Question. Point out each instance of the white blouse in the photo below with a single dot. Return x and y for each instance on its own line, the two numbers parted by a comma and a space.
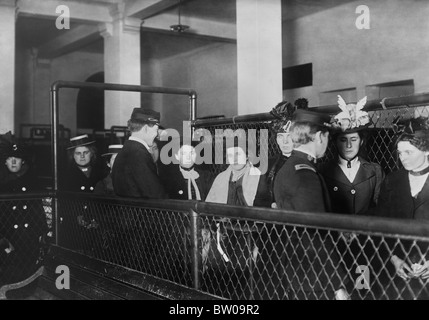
352, 171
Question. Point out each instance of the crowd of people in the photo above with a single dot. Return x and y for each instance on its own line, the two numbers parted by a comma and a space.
295, 180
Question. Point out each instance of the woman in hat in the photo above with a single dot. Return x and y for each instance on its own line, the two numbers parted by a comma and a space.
405, 195
23, 226
353, 182
241, 183
84, 170
283, 113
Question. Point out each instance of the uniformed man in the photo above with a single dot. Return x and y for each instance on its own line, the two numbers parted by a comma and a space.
135, 174
312, 270
298, 186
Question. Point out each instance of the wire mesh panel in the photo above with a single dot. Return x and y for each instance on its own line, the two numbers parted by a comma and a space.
245, 259
380, 146
23, 235
152, 241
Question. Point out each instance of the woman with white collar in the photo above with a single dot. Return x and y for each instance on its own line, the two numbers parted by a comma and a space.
353, 182
405, 195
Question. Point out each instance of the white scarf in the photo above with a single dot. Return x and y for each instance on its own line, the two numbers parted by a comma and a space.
219, 190
191, 176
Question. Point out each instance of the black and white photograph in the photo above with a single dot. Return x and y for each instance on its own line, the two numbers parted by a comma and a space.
223, 157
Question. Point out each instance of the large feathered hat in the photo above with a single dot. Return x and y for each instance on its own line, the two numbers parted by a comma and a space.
352, 118
283, 113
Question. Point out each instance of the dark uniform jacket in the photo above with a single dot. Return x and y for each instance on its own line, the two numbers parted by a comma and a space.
22, 225
274, 166
177, 186
353, 197
311, 263
298, 186
134, 173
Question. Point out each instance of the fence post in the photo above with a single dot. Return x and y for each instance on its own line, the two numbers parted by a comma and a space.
195, 249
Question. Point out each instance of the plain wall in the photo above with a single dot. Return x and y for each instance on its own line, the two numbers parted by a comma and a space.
180, 61
393, 49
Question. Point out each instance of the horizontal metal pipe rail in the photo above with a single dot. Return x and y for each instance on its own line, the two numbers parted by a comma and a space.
372, 105
54, 101
26, 196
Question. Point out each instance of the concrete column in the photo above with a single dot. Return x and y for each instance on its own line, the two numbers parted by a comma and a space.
259, 55
121, 65
7, 65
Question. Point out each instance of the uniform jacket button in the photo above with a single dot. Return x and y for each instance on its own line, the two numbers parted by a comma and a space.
353, 191
335, 188
24, 189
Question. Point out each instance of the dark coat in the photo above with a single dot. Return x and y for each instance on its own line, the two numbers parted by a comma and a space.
23, 225
177, 186
353, 197
105, 186
395, 200
298, 186
134, 174
75, 180
274, 166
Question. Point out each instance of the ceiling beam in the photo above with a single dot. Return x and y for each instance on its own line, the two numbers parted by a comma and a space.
94, 11
71, 40
148, 8
202, 27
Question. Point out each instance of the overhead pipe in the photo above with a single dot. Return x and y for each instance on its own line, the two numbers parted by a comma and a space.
372, 105
54, 101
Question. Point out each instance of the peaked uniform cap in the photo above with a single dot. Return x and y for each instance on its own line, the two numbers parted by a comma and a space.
146, 115
313, 117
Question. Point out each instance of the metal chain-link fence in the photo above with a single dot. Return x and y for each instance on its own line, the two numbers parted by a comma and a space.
379, 147
251, 253
153, 241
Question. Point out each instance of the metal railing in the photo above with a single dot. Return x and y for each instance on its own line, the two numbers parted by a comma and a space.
248, 252
55, 107
379, 146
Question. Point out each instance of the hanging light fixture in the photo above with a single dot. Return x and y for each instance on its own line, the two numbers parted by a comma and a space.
179, 27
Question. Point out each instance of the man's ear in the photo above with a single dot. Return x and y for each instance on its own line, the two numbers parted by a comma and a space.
318, 136
177, 156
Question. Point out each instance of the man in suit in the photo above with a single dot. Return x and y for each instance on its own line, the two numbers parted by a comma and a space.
134, 174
